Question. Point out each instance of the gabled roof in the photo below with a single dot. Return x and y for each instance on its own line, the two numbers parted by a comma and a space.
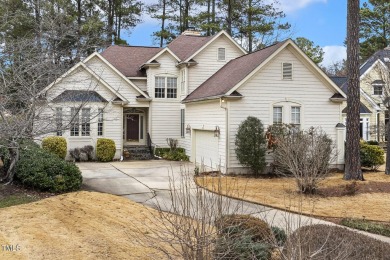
363, 94
382, 55
129, 59
88, 70
231, 76
185, 46
232, 73
79, 96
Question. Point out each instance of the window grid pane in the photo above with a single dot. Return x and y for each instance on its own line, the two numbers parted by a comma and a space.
296, 115
86, 122
75, 121
59, 121
100, 122
171, 87
182, 123
277, 115
378, 90
159, 91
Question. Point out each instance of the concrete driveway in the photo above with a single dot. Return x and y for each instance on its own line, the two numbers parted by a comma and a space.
150, 183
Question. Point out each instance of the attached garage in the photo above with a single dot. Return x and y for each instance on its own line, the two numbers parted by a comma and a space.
205, 149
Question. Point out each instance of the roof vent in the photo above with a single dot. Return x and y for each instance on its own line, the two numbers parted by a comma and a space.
191, 31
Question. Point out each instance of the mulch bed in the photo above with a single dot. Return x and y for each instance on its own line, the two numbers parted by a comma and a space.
17, 189
354, 188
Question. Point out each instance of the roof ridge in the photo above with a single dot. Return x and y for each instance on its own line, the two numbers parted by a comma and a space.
266, 47
138, 46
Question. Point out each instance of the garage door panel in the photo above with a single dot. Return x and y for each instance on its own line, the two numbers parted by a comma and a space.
206, 148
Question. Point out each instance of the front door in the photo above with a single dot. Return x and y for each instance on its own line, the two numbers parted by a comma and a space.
132, 133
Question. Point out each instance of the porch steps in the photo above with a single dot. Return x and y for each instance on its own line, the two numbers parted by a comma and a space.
137, 152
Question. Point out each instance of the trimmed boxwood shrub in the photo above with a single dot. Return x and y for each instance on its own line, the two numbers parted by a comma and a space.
371, 156
178, 154
44, 171
105, 150
56, 145
243, 237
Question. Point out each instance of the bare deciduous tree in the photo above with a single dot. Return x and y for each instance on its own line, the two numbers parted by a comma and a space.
305, 155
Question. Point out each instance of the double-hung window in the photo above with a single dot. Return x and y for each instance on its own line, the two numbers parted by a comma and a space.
296, 116
100, 122
86, 122
182, 123
278, 115
165, 87
75, 121
59, 118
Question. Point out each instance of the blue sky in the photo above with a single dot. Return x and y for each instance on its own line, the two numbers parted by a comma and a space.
321, 21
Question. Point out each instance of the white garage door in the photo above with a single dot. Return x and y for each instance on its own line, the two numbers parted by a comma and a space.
206, 149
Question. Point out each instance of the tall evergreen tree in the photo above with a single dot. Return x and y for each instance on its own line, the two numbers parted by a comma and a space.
163, 12
352, 163
313, 52
374, 27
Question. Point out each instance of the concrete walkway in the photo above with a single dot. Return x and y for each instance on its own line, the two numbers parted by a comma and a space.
150, 183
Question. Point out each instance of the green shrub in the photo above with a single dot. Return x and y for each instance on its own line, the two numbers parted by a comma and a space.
56, 145
333, 242
371, 156
250, 144
280, 235
105, 150
372, 142
243, 237
176, 155
44, 171
365, 225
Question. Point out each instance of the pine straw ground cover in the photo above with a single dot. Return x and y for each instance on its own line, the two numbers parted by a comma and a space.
371, 200
79, 225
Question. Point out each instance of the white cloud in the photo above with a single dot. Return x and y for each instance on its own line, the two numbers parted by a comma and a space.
333, 54
289, 6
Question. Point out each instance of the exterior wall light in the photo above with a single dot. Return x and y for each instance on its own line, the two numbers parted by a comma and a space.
188, 129
217, 131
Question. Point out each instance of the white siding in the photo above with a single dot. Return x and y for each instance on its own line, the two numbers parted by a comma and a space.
267, 87
115, 81
140, 83
206, 116
164, 121
208, 62
112, 125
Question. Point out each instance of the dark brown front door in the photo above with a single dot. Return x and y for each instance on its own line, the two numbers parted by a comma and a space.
132, 133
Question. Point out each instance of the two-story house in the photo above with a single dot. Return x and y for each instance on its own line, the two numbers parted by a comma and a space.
197, 90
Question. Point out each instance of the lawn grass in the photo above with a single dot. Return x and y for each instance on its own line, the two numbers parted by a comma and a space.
16, 199
282, 193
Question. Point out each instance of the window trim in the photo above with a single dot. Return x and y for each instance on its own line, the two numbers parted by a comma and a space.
219, 58
281, 113
74, 121
287, 104
182, 123
296, 125
166, 88
375, 85
100, 124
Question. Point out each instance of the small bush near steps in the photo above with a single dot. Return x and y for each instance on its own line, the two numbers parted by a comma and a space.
371, 156
56, 145
105, 150
44, 171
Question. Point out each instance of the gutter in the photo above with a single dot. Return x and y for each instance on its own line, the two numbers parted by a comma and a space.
225, 97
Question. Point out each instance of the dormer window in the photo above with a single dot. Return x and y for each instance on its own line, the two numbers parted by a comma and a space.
221, 54
287, 70
378, 87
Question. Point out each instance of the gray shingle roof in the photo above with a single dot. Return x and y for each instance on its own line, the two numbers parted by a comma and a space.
185, 46
339, 81
232, 73
79, 96
383, 55
362, 109
128, 59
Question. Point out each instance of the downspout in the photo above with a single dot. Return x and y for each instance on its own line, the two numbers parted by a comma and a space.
222, 102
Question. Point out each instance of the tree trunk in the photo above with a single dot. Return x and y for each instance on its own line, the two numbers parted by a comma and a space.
387, 129
163, 24
249, 31
213, 17
229, 17
14, 157
352, 163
